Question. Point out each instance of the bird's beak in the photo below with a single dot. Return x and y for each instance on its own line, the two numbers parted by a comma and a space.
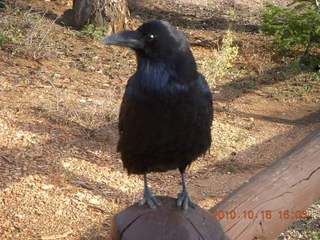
132, 39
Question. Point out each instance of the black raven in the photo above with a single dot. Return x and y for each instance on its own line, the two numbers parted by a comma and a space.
166, 112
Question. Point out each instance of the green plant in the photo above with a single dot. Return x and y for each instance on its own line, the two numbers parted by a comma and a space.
217, 65
237, 85
268, 78
314, 236
231, 169
96, 33
238, 139
297, 25
250, 84
2, 38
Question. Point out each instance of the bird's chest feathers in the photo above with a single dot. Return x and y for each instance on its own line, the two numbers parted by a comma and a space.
155, 80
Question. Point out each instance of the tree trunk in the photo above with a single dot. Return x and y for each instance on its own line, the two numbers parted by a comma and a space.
111, 14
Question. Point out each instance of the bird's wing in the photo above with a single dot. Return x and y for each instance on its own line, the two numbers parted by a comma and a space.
206, 95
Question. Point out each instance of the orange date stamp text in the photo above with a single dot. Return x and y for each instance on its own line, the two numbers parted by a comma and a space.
262, 214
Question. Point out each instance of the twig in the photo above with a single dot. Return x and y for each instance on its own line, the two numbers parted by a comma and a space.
7, 160
55, 236
82, 184
97, 208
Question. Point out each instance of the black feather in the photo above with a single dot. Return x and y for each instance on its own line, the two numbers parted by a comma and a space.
166, 113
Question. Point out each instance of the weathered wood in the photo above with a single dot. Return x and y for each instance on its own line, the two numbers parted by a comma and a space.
276, 196
111, 14
165, 223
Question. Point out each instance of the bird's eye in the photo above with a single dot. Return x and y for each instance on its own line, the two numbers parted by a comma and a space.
151, 37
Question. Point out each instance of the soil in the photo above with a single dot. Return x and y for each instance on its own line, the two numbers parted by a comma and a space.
60, 176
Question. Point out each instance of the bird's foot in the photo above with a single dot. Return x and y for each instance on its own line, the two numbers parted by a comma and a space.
149, 199
184, 201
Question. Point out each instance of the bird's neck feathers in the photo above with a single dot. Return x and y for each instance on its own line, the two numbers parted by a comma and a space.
164, 76
154, 75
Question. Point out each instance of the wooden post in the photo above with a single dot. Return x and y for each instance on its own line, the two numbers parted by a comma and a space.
259, 209
167, 222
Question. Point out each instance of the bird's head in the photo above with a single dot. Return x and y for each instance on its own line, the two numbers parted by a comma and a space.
153, 39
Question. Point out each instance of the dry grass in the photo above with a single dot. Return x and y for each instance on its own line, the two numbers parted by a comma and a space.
27, 32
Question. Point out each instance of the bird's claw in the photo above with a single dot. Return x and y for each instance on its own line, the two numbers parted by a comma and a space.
184, 201
149, 199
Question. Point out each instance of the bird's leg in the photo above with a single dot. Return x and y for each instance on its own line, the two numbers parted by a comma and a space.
148, 197
183, 198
